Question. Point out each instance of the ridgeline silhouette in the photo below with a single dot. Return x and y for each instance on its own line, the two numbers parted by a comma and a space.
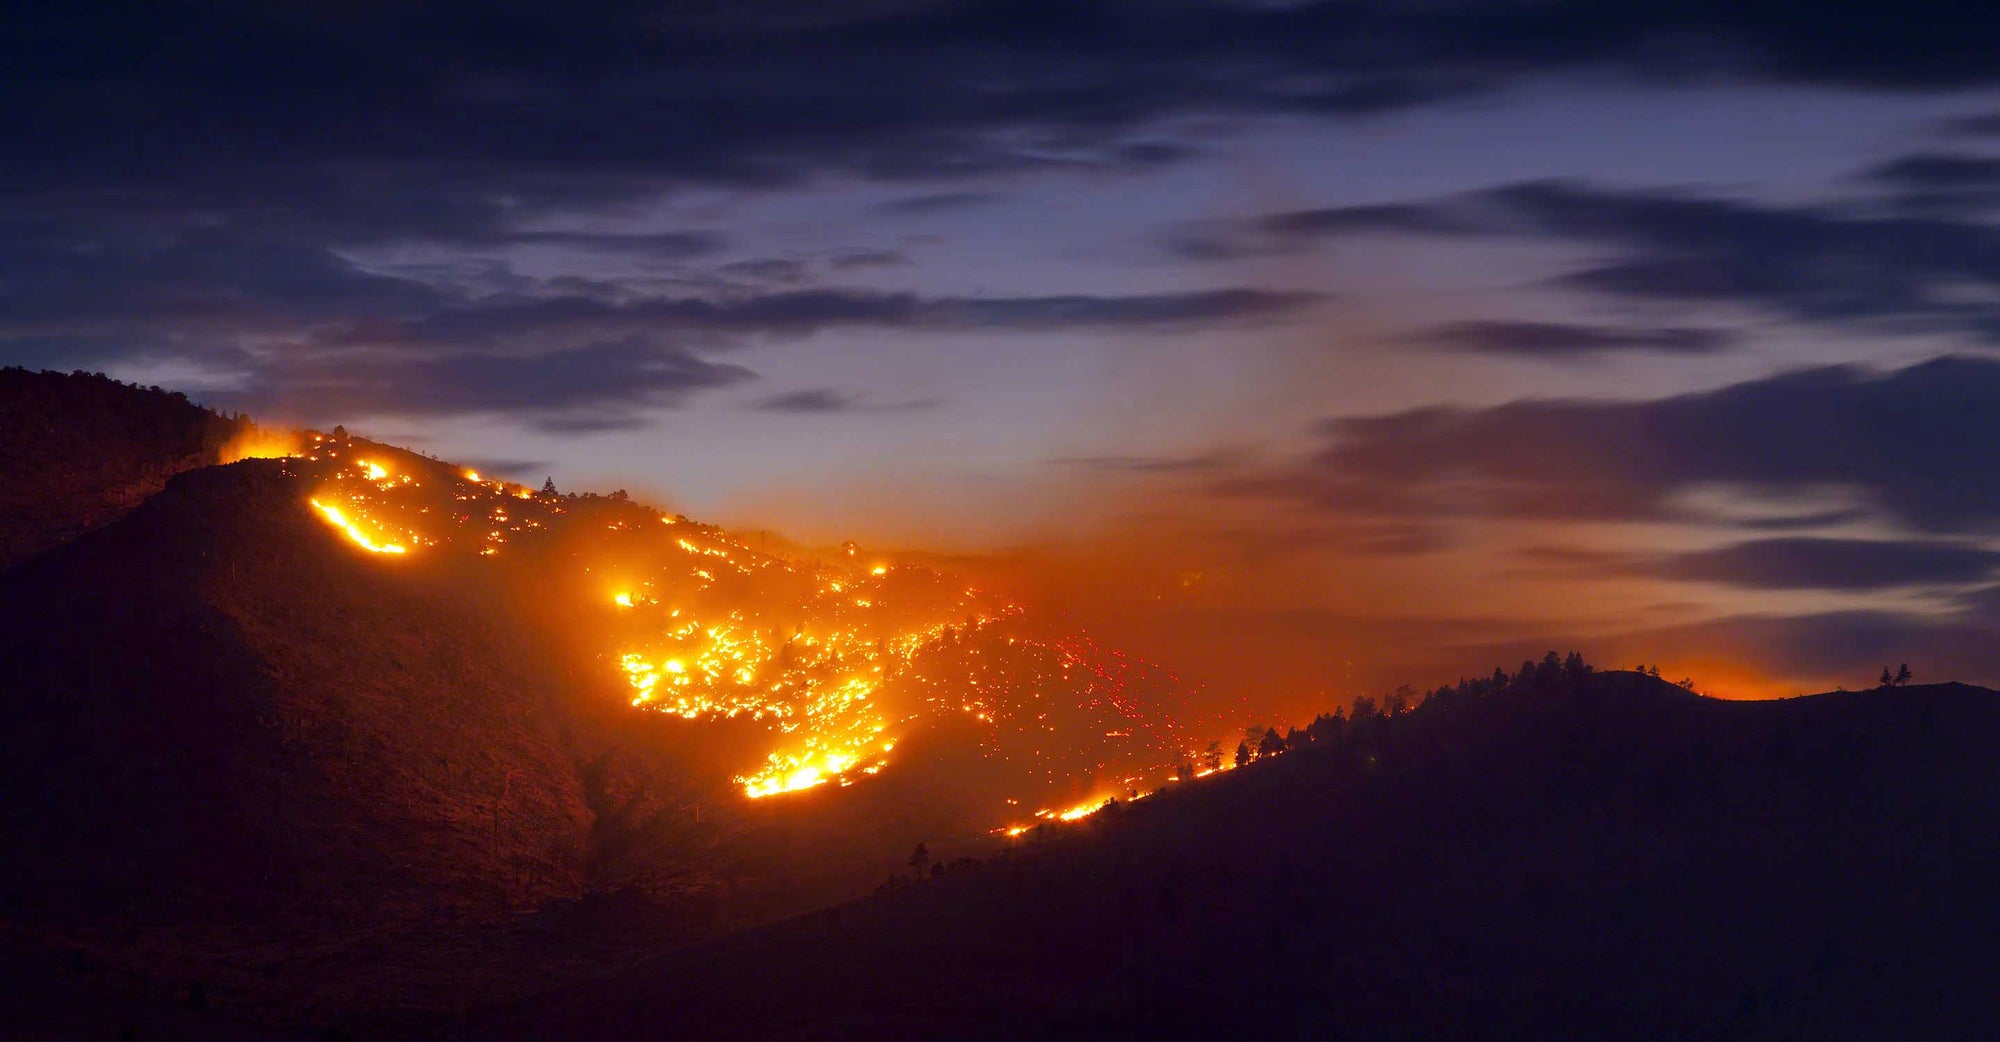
1576, 854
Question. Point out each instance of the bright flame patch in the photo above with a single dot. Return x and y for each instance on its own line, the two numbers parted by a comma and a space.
338, 519
831, 662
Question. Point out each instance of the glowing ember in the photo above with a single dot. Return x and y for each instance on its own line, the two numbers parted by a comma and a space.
257, 443
338, 519
1082, 810
832, 663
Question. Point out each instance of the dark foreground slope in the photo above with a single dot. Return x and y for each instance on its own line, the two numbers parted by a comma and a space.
1618, 858
244, 758
77, 451
230, 746
214, 709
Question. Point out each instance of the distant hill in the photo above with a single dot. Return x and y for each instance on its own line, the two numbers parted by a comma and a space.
1610, 858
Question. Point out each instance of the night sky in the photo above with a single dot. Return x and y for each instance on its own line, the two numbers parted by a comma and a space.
1322, 344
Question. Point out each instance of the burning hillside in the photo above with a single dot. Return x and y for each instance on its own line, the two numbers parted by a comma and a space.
829, 662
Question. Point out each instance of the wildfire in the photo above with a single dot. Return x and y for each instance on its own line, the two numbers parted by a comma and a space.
338, 519
833, 661
1081, 810
789, 775
258, 443
1076, 813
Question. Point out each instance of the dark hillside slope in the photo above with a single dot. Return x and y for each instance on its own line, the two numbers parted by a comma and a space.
213, 711
235, 748
77, 451
1617, 858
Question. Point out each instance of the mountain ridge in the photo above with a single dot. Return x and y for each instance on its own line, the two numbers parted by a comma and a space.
1548, 864
221, 718
461, 758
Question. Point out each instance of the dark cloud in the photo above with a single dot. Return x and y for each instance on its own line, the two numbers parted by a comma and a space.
1215, 461
1915, 443
657, 245
1944, 183
1416, 218
1932, 170
1832, 564
800, 312
936, 202
1563, 340
853, 259
1832, 263
176, 92
1153, 153
194, 179
599, 386
816, 400
1798, 522
198, 278
769, 269
217, 280
827, 400
1983, 603
1984, 124
96, 352
1574, 557
302, 323
1295, 229
1139, 310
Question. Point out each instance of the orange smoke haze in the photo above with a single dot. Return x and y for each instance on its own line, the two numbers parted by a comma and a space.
1278, 617
261, 443
778, 669
1081, 666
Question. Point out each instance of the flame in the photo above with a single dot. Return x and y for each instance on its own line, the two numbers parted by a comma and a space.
792, 776
1081, 810
338, 519
258, 443
1076, 813
711, 630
